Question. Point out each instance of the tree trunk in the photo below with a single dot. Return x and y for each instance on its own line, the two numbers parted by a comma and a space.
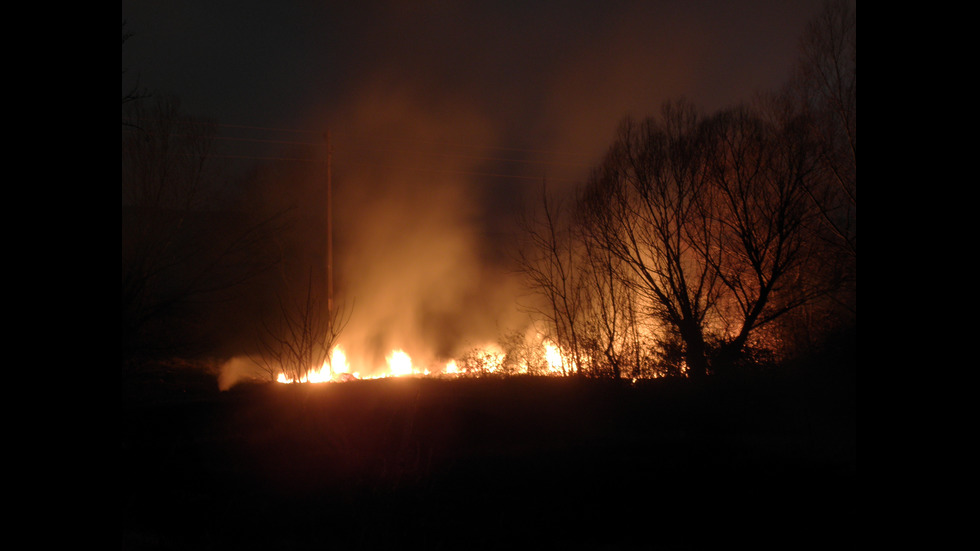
695, 351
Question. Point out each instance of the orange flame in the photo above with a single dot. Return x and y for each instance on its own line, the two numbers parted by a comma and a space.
399, 364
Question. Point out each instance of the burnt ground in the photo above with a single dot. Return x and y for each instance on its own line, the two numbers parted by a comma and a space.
763, 461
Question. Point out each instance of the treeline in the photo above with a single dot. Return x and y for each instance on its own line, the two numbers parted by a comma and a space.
193, 240
705, 243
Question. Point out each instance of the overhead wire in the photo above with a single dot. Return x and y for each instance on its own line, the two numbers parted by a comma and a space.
353, 145
406, 140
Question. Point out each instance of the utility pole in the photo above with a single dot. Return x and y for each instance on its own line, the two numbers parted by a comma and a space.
329, 228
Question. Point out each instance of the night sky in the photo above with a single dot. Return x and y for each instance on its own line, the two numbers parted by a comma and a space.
446, 116
545, 75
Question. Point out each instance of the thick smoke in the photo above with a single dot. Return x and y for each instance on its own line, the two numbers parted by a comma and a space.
415, 259
425, 101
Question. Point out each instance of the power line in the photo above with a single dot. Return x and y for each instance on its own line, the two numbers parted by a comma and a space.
206, 122
381, 139
464, 156
444, 155
404, 140
402, 167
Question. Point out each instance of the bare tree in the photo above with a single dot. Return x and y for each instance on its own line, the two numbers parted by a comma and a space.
821, 99
181, 247
760, 172
710, 228
610, 331
709, 217
824, 88
523, 354
645, 205
551, 263
301, 335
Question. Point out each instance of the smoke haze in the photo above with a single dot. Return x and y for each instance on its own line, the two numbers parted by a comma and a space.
445, 118
415, 266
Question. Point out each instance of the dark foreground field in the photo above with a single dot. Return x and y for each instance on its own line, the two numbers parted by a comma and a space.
767, 461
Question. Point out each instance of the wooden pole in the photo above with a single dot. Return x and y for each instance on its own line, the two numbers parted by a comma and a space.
329, 227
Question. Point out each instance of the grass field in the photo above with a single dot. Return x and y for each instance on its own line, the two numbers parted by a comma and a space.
536, 463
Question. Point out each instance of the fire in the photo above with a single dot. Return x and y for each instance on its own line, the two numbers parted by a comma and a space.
336, 365
487, 359
338, 361
399, 363
451, 368
316, 375
554, 357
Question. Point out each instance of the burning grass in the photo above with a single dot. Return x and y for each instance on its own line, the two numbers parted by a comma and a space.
483, 360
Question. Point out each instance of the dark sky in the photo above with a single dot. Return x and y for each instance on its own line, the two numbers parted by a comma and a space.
453, 110
541, 71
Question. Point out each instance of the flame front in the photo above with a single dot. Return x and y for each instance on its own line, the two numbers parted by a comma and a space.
555, 358
487, 359
338, 361
451, 368
399, 364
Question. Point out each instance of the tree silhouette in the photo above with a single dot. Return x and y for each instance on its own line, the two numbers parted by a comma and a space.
611, 326
645, 206
699, 233
182, 247
301, 335
551, 261
821, 99
709, 219
760, 171
824, 88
